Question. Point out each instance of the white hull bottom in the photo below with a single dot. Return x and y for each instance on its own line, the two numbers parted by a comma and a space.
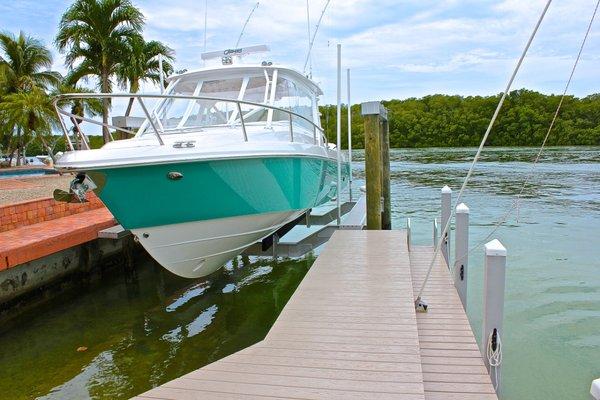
196, 249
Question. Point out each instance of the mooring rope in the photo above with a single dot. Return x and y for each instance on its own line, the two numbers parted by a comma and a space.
480, 149
531, 174
494, 356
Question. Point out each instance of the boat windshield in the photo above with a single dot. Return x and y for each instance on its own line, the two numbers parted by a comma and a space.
180, 115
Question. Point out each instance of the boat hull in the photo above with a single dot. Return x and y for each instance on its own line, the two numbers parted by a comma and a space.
199, 248
192, 217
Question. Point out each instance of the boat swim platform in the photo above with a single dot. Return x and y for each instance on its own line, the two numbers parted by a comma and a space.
350, 331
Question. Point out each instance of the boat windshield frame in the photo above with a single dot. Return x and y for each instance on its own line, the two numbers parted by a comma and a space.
154, 122
277, 84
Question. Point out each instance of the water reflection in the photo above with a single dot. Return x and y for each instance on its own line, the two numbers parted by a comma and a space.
142, 332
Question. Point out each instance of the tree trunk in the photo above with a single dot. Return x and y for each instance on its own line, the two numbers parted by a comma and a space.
19, 144
133, 88
48, 149
105, 104
129, 106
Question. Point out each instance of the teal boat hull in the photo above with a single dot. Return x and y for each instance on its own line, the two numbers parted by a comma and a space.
145, 196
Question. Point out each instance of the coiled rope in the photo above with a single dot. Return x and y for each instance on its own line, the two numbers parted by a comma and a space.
515, 204
480, 149
494, 356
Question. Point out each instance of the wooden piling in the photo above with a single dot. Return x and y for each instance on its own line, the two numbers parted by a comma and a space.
377, 169
386, 214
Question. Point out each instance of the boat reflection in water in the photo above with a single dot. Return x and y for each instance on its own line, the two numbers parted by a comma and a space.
144, 331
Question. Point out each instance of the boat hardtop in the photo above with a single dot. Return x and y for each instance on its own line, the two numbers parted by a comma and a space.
216, 112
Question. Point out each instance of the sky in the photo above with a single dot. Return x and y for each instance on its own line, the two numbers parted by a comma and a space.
394, 48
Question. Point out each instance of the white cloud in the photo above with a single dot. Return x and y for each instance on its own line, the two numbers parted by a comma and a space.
396, 48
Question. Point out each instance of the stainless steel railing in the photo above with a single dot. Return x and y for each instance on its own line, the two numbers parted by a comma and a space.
155, 123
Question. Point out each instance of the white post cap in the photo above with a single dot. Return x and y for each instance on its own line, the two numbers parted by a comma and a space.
595, 389
462, 209
446, 189
495, 248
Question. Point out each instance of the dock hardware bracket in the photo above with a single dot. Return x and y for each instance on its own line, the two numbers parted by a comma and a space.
420, 305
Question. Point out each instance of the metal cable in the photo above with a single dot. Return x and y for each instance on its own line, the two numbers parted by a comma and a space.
480, 149
531, 174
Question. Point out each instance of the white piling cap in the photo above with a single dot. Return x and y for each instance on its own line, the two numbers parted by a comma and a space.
495, 248
462, 209
446, 189
595, 389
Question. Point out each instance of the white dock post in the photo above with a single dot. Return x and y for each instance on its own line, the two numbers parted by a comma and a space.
339, 134
595, 389
461, 252
493, 308
446, 213
349, 134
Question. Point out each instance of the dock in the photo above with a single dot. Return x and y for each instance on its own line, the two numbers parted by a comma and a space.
350, 331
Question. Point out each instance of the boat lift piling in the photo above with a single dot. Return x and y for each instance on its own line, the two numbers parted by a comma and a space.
339, 133
445, 217
493, 308
386, 212
349, 109
377, 165
461, 252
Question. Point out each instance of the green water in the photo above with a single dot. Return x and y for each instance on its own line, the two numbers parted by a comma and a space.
159, 327
141, 334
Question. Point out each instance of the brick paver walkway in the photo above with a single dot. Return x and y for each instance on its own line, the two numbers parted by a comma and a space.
31, 242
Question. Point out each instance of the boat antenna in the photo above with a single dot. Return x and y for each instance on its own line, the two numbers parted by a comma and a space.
308, 32
246, 23
312, 41
205, 21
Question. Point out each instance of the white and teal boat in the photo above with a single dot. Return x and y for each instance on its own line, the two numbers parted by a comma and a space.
227, 156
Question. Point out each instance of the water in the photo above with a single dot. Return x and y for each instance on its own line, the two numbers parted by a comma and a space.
25, 173
142, 334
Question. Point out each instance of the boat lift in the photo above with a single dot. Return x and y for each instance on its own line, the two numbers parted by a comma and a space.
313, 230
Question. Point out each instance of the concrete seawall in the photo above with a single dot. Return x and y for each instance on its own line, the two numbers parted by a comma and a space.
42, 242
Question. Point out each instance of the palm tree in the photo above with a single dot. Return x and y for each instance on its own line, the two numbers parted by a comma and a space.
143, 64
31, 111
94, 35
24, 67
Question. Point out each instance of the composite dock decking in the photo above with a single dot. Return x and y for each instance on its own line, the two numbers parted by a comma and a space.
350, 331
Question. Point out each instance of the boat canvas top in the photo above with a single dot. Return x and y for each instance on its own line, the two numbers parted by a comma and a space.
235, 69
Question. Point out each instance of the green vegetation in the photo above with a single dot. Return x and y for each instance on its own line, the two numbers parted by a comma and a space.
24, 80
101, 40
456, 121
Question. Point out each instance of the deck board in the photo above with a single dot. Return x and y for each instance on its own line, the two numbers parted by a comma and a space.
350, 331
451, 361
